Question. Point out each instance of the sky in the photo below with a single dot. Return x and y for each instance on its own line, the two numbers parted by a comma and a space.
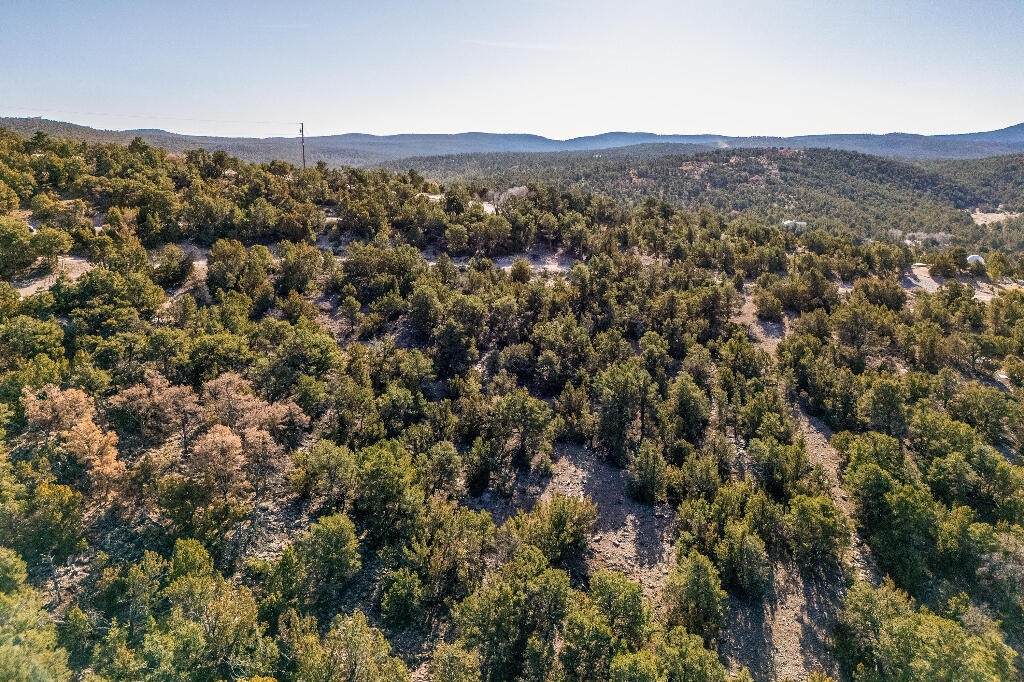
558, 68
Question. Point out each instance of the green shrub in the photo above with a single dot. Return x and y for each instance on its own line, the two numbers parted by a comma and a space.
331, 550
587, 643
559, 527
883, 637
452, 663
693, 596
768, 306
638, 667
743, 560
647, 474
402, 603
621, 602
818, 530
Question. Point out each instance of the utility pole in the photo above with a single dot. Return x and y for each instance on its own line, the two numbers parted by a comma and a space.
302, 135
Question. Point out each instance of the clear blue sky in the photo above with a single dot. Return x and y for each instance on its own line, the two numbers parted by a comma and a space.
555, 67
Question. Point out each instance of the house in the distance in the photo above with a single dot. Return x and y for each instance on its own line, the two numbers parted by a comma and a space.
793, 223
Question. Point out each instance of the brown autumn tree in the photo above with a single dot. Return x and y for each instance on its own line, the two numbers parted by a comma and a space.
52, 411
65, 420
134, 409
231, 400
217, 458
156, 409
97, 450
182, 414
263, 456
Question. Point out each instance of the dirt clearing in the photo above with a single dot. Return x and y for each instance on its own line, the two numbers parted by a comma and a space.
981, 218
540, 259
917, 279
72, 266
786, 633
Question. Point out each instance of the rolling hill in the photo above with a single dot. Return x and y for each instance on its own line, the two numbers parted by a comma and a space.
361, 149
825, 187
998, 179
801, 178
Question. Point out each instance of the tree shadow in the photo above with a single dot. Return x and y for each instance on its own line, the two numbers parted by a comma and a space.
747, 639
608, 486
772, 330
788, 630
824, 591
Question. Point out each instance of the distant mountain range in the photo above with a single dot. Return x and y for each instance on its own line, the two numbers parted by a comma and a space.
359, 149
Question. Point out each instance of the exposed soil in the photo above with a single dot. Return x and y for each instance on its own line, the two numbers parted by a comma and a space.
816, 436
917, 279
328, 316
541, 259
199, 255
981, 218
766, 335
630, 537
786, 633
634, 538
72, 266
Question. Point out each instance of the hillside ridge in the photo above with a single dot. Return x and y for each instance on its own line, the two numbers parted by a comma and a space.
359, 149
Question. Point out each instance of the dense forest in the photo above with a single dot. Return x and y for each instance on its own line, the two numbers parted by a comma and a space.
999, 179
307, 424
831, 189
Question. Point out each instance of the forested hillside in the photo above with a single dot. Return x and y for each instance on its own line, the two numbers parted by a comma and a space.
998, 179
251, 149
339, 424
360, 149
827, 188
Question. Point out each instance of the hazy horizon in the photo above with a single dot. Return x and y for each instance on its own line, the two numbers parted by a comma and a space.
310, 133
558, 69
